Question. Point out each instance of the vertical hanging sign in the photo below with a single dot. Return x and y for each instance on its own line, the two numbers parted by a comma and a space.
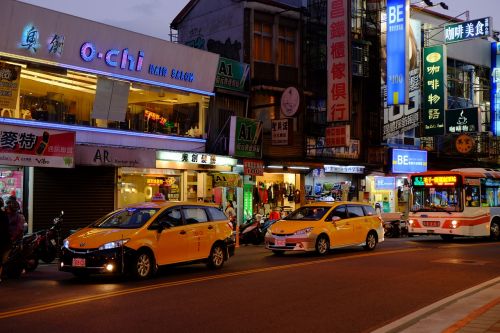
434, 90
495, 88
338, 60
398, 18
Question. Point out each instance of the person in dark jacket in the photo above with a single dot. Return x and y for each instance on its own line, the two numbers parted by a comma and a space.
5, 239
16, 219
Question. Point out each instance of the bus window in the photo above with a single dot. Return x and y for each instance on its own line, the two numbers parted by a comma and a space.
471, 196
490, 192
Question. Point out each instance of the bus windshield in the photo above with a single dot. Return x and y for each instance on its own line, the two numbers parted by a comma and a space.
436, 199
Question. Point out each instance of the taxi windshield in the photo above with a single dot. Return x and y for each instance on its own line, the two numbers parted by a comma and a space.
308, 213
127, 218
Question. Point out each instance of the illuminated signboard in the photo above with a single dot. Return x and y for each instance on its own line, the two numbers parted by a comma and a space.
495, 88
398, 18
462, 120
457, 32
385, 183
408, 161
434, 90
428, 181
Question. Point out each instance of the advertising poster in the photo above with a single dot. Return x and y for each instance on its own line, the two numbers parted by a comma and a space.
435, 100
9, 85
402, 118
38, 147
245, 139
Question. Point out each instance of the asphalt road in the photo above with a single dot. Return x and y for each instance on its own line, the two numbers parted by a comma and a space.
349, 290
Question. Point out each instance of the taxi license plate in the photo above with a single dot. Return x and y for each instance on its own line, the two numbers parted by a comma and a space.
279, 242
79, 262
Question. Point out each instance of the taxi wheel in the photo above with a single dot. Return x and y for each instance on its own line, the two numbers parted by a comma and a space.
216, 257
143, 266
371, 241
322, 245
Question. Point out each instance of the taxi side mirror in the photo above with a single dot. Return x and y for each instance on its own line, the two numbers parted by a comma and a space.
335, 219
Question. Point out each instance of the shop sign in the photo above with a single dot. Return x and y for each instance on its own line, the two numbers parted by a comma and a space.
253, 167
226, 179
80, 44
195, 158
315, 147
434, 90
338, 60
245, 139
409, 161
115, 157
462, 120
280, 132
432, 181
9, 85
385, 183
402, 118
231, 74
38, 147
398, 18
465, 143
337, 136
344, 169
457, 32
290, 101
495, 88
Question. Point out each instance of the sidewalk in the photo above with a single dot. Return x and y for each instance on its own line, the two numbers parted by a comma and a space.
475, 310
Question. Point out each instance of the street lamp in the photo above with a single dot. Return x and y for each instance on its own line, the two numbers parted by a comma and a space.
431, 4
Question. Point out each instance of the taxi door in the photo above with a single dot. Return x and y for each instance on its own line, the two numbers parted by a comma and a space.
342, 226
173, 241
359, 223
200, 231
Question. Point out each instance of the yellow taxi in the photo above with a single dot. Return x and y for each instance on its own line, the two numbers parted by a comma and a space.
323, 226
140, 237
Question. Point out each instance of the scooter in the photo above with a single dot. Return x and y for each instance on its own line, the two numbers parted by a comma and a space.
50, 240
22, 256
250, 232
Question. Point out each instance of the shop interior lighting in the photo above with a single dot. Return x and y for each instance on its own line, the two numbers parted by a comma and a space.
298, 167
275, 166
57, 83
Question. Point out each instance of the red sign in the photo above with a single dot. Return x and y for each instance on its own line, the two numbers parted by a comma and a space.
40, 147
337, 136
338, 61
253, 167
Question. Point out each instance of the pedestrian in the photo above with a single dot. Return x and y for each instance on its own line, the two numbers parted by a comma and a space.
230, 212
5, 240
16, 219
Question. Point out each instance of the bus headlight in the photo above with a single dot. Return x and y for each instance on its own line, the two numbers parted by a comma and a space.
454, 224
410, 222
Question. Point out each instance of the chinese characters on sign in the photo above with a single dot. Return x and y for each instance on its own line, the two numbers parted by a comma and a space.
28, 146
337, 136
495, 88
253, 167
338, 61
280, 132
231, 74
245, 139
462, 120
434, 90
199, 158
9, 85
30, 41
457, 32
408, 161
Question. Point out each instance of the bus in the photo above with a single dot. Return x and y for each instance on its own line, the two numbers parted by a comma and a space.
459, 202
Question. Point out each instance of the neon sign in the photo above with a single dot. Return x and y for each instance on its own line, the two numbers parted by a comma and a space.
429, 181
88, 53
30, 39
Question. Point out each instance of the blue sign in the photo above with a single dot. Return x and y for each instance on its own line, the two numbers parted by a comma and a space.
385, 183
409, 161
495, 88
398, 18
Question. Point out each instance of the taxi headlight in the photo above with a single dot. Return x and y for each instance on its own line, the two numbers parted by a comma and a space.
66, 244
303, 231
115, 244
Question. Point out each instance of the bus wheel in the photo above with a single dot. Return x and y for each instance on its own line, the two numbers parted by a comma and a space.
495, 230
447, 237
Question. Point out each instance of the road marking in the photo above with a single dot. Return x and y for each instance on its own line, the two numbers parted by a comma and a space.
68, 302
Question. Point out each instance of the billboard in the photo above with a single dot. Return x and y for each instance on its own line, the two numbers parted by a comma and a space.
435, 100
409, 161
460, 31
462, 120
245, 139
398, 18
495, 88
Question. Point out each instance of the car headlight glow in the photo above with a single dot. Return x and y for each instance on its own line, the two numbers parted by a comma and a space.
303, 231
115, 244
66, 244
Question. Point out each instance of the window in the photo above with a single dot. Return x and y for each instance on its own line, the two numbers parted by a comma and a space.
355, 211
129, 218
471, 196
216, 214
340, 211
262, 40
490, 192
171, 217
369, 211
286, 54
194, 215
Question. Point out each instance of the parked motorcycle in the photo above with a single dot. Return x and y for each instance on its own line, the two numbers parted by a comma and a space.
22, 256
50, 241
250, 232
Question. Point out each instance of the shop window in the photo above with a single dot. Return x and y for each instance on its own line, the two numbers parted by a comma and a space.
262, 41
57, 95
286, 42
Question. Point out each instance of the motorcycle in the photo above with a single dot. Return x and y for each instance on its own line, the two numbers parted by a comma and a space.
250, 232
395, 229
50, 241
22, 256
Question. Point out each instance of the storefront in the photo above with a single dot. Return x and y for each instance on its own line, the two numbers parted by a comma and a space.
333, 183
124, 96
